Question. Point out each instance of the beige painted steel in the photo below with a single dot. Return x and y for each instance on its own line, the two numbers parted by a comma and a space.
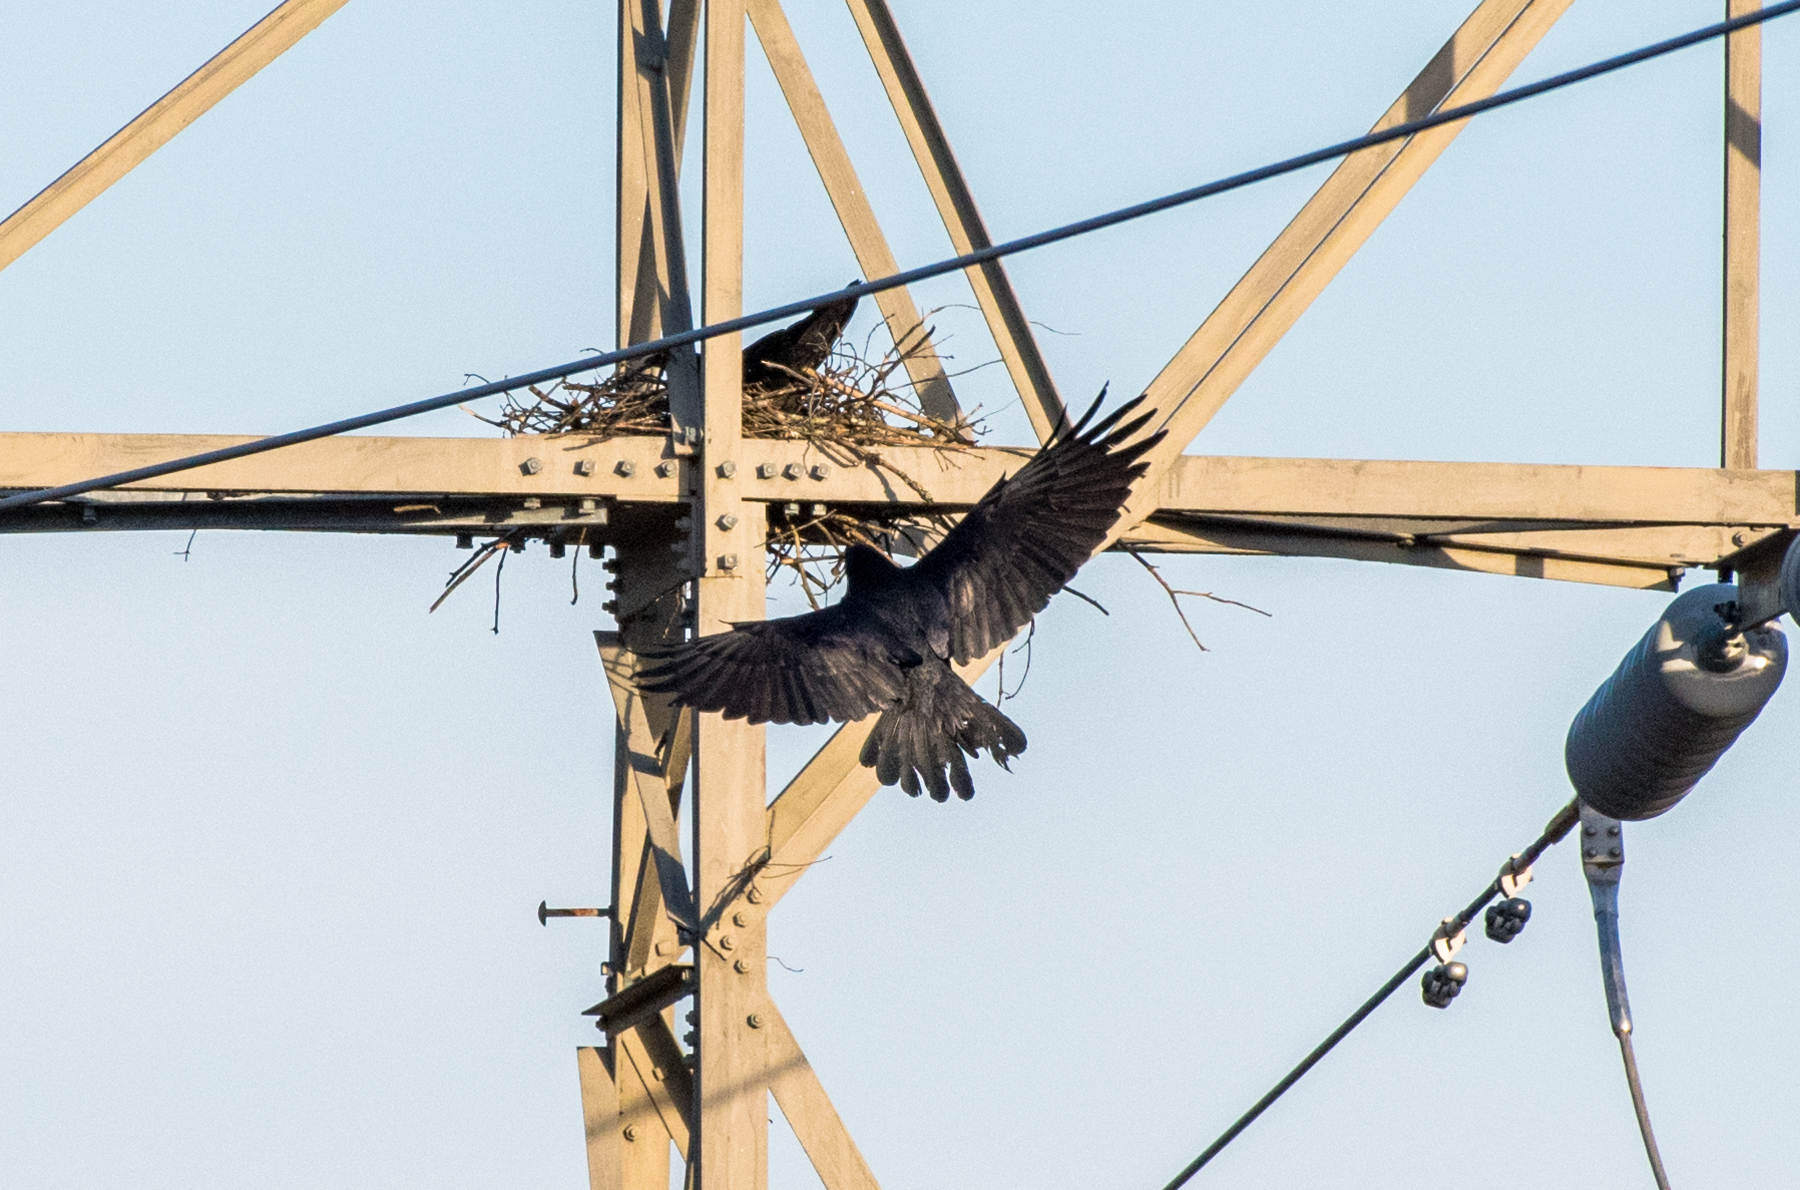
600, 1117
651, 61
157, 124
731, 1139
656, 789
956, 206
1496, 491
634, 290
1165, 538
832, 161
650, 1114
402, 466
664, 270
663, 1085
414, 468
1743, 231
1337, 221
808, 1109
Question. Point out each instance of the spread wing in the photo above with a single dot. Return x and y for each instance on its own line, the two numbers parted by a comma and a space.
1029, 535
801, 669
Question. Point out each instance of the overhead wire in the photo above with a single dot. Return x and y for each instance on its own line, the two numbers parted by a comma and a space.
1558, 828
924, 272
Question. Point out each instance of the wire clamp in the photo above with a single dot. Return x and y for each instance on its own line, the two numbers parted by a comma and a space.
1514, 876
1445, 943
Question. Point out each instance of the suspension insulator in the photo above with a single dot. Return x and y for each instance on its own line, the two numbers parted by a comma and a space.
1507, 919
1679, 699
1442, 983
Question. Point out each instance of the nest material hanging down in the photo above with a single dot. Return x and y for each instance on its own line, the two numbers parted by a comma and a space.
849, 404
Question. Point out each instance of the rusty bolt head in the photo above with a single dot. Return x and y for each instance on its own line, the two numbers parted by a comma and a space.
754, 1020
626, 468
821, 471
584, 466
727, 469
532, 465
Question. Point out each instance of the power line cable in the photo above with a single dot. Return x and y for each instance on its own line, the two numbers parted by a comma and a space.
1558, 828
922, 273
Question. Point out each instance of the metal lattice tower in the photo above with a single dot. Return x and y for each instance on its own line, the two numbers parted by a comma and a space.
689, 922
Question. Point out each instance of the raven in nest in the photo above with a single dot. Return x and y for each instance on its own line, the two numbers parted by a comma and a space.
889, 644
803, 346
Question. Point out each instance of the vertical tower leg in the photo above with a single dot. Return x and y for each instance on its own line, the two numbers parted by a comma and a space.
1743, 220
730, 1150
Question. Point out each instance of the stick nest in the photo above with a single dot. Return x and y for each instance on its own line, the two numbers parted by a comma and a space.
856, 402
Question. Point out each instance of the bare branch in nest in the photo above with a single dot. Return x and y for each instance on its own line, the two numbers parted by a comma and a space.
475, 562
1176, 602
854, 404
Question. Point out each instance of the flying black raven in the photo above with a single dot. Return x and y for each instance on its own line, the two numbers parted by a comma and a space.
888, 645
802, 346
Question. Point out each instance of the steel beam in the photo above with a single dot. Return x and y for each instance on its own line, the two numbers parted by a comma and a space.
622, 474
956, 206
1335, 222
232, 66
731, 1141
1743, 220
832, 160
600, 1116
808, 1110
1320, 542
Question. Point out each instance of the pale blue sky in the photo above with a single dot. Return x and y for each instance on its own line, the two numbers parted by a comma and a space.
271, 838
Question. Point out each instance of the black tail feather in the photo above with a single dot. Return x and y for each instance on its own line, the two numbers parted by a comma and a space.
919, 742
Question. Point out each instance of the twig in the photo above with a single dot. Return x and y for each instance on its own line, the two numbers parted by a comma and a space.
1002, 696
1176, 603
1087, 599
185, 551
498, 571
461, 573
